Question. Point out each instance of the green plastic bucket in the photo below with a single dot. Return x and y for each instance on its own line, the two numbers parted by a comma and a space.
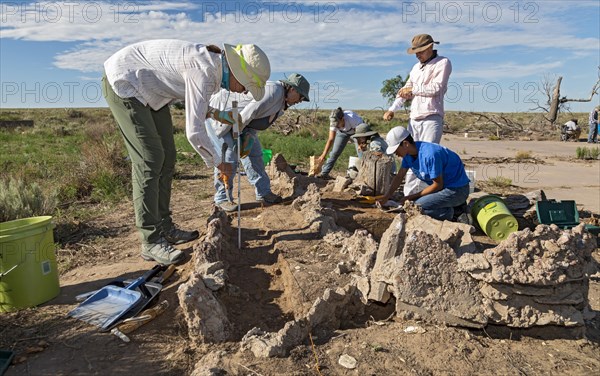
267, 155
493, 217
28, 272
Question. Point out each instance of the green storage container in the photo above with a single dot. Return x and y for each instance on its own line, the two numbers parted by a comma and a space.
564, 214
493, 217
28, 271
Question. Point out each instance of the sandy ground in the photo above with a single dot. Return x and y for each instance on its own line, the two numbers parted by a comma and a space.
46, 342
561, 176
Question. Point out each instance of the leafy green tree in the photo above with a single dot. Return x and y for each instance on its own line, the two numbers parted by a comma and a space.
390, 89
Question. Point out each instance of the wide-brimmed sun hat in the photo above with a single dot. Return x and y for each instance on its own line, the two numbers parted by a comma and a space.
420, 43
394, 137
363, 130
250, 66
298, 82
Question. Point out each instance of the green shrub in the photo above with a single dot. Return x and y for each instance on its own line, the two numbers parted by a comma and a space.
108, 186
585, 153
21, 200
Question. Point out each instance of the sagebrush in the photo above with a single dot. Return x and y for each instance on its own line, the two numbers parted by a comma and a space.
21, 200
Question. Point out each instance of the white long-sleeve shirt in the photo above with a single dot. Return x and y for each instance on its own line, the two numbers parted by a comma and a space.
158, 72
429, 84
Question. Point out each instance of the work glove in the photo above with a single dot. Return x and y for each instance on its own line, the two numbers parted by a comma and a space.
225, 172
225, 117
246, 143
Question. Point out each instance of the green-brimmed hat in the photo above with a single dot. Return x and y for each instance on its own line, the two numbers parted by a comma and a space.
298, 82
250, 66
363, 130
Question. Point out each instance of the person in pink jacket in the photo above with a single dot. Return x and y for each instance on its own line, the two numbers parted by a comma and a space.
426, 87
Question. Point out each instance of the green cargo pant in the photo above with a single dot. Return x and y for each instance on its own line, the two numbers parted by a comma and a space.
148, 136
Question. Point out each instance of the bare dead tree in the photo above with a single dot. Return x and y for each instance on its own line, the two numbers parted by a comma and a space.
555, 103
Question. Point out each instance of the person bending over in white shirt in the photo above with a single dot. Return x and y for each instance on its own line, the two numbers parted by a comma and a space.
140, 82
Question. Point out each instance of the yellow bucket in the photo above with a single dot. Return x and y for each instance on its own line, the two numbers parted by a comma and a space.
28, 271
493, 217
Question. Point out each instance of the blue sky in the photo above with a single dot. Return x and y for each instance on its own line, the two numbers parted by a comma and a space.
51, 53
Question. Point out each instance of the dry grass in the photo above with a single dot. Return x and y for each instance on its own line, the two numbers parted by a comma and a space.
522, 155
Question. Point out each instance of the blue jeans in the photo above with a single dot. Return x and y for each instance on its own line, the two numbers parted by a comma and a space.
253, 164
440, 205
339, 143
593, 133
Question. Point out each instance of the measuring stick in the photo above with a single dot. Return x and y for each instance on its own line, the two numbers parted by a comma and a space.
236, 133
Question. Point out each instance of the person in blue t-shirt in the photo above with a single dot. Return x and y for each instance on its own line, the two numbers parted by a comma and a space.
437, 166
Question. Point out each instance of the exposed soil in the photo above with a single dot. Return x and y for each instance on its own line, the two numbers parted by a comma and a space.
276, 276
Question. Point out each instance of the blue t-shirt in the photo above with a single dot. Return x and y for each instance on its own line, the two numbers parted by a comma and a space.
433, 161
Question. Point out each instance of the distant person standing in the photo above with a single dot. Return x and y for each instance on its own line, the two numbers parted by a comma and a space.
342, 125
426, 87
593, 131
139, 83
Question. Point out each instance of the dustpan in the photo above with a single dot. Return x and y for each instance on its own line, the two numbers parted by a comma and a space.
109, 304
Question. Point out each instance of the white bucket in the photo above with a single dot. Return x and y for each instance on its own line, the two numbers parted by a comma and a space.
353, 162
471, 175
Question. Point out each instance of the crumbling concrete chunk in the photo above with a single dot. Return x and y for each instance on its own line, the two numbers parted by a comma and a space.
546, 256
427, 277
362, 249
457, 235
279, 165
211, 364
521, 312
472, 261
215, 281
390, 246
267, 345
205, 316
283, 179
341, 183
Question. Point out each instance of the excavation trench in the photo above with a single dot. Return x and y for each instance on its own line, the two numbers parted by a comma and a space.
302, 273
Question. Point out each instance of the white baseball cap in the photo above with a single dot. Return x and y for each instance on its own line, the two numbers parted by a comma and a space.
394, 137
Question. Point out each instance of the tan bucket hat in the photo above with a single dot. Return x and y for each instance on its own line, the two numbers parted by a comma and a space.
420, 43
250, 66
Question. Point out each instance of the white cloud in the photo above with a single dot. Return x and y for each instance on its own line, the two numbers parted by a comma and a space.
500, 70
342, 34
